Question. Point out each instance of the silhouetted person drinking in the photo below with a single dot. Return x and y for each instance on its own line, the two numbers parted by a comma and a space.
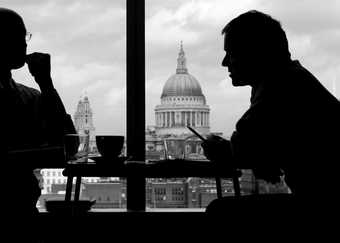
29, 118
292, 125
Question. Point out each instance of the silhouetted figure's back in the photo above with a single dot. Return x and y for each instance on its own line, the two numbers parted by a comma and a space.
30, 119
293, 122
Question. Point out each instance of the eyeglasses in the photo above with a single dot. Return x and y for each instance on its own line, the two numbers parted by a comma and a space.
28, 36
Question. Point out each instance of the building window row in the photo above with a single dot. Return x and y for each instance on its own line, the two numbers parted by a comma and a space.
174, 99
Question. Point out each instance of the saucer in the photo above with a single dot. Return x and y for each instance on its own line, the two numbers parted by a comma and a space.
102, 160
61, 206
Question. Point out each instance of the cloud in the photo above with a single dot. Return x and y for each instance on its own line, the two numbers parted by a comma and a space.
305, 16
68, 75
115, 96
87, 38
165, 27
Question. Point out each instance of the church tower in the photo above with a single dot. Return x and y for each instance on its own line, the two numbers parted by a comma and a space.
83, 122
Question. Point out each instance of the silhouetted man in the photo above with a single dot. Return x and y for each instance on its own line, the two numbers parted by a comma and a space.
292, 125
29, 118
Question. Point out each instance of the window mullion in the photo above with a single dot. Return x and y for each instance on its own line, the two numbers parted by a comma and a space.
135, 96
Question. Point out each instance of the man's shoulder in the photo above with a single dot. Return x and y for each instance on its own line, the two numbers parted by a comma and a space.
299, 71
27, 91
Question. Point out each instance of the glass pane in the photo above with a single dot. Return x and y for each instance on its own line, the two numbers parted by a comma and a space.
86, 41
183, 193
186, 85
177, 96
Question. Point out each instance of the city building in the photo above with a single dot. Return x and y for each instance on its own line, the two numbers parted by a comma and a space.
83, 122
182, 104
49, 178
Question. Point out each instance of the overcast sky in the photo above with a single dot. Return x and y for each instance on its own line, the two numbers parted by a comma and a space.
86, 39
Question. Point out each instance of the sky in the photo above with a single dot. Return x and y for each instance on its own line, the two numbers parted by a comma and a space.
86, 40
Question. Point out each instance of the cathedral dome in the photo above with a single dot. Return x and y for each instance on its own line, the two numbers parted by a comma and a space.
182, 83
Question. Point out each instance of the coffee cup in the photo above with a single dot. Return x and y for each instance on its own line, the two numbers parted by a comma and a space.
109, 146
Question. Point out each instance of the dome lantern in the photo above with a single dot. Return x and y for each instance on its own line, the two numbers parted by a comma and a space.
181, 61
182, 83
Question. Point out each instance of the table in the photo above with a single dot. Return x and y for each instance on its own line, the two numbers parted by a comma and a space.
38, 157
156, 169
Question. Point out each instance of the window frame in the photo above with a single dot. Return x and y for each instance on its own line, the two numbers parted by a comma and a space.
135, 99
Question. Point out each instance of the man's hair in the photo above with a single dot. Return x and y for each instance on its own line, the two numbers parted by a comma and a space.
258, 32
9, 20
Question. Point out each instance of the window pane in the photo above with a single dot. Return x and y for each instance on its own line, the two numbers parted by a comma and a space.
176, 97
186, 85
86, 41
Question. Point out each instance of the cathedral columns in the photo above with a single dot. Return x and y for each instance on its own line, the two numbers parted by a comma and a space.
182, 118
188, 118
202, 118
193, 118
172, 119
163, 119
157, 119
166, 119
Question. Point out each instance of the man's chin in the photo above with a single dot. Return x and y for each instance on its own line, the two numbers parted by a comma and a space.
238, 82
17, 65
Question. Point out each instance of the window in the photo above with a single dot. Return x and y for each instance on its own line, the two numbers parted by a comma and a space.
173, 59
88, 54
95, 60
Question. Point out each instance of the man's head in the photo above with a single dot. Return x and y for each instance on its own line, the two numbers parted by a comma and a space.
12, 40
255, 43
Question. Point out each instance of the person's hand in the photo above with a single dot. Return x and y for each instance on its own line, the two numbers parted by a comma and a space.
270, 174
39, 65
216, 148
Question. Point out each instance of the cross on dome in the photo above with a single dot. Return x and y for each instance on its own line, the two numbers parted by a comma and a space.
181, 61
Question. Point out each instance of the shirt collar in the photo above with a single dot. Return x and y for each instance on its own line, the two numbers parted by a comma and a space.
259, 90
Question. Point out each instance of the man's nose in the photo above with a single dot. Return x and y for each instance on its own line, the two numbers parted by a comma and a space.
226, 61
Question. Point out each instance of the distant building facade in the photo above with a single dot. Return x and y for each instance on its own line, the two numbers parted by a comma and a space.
83, 122
182, 104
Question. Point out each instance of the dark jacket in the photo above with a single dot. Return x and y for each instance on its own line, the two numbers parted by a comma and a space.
293, 124
29, 119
